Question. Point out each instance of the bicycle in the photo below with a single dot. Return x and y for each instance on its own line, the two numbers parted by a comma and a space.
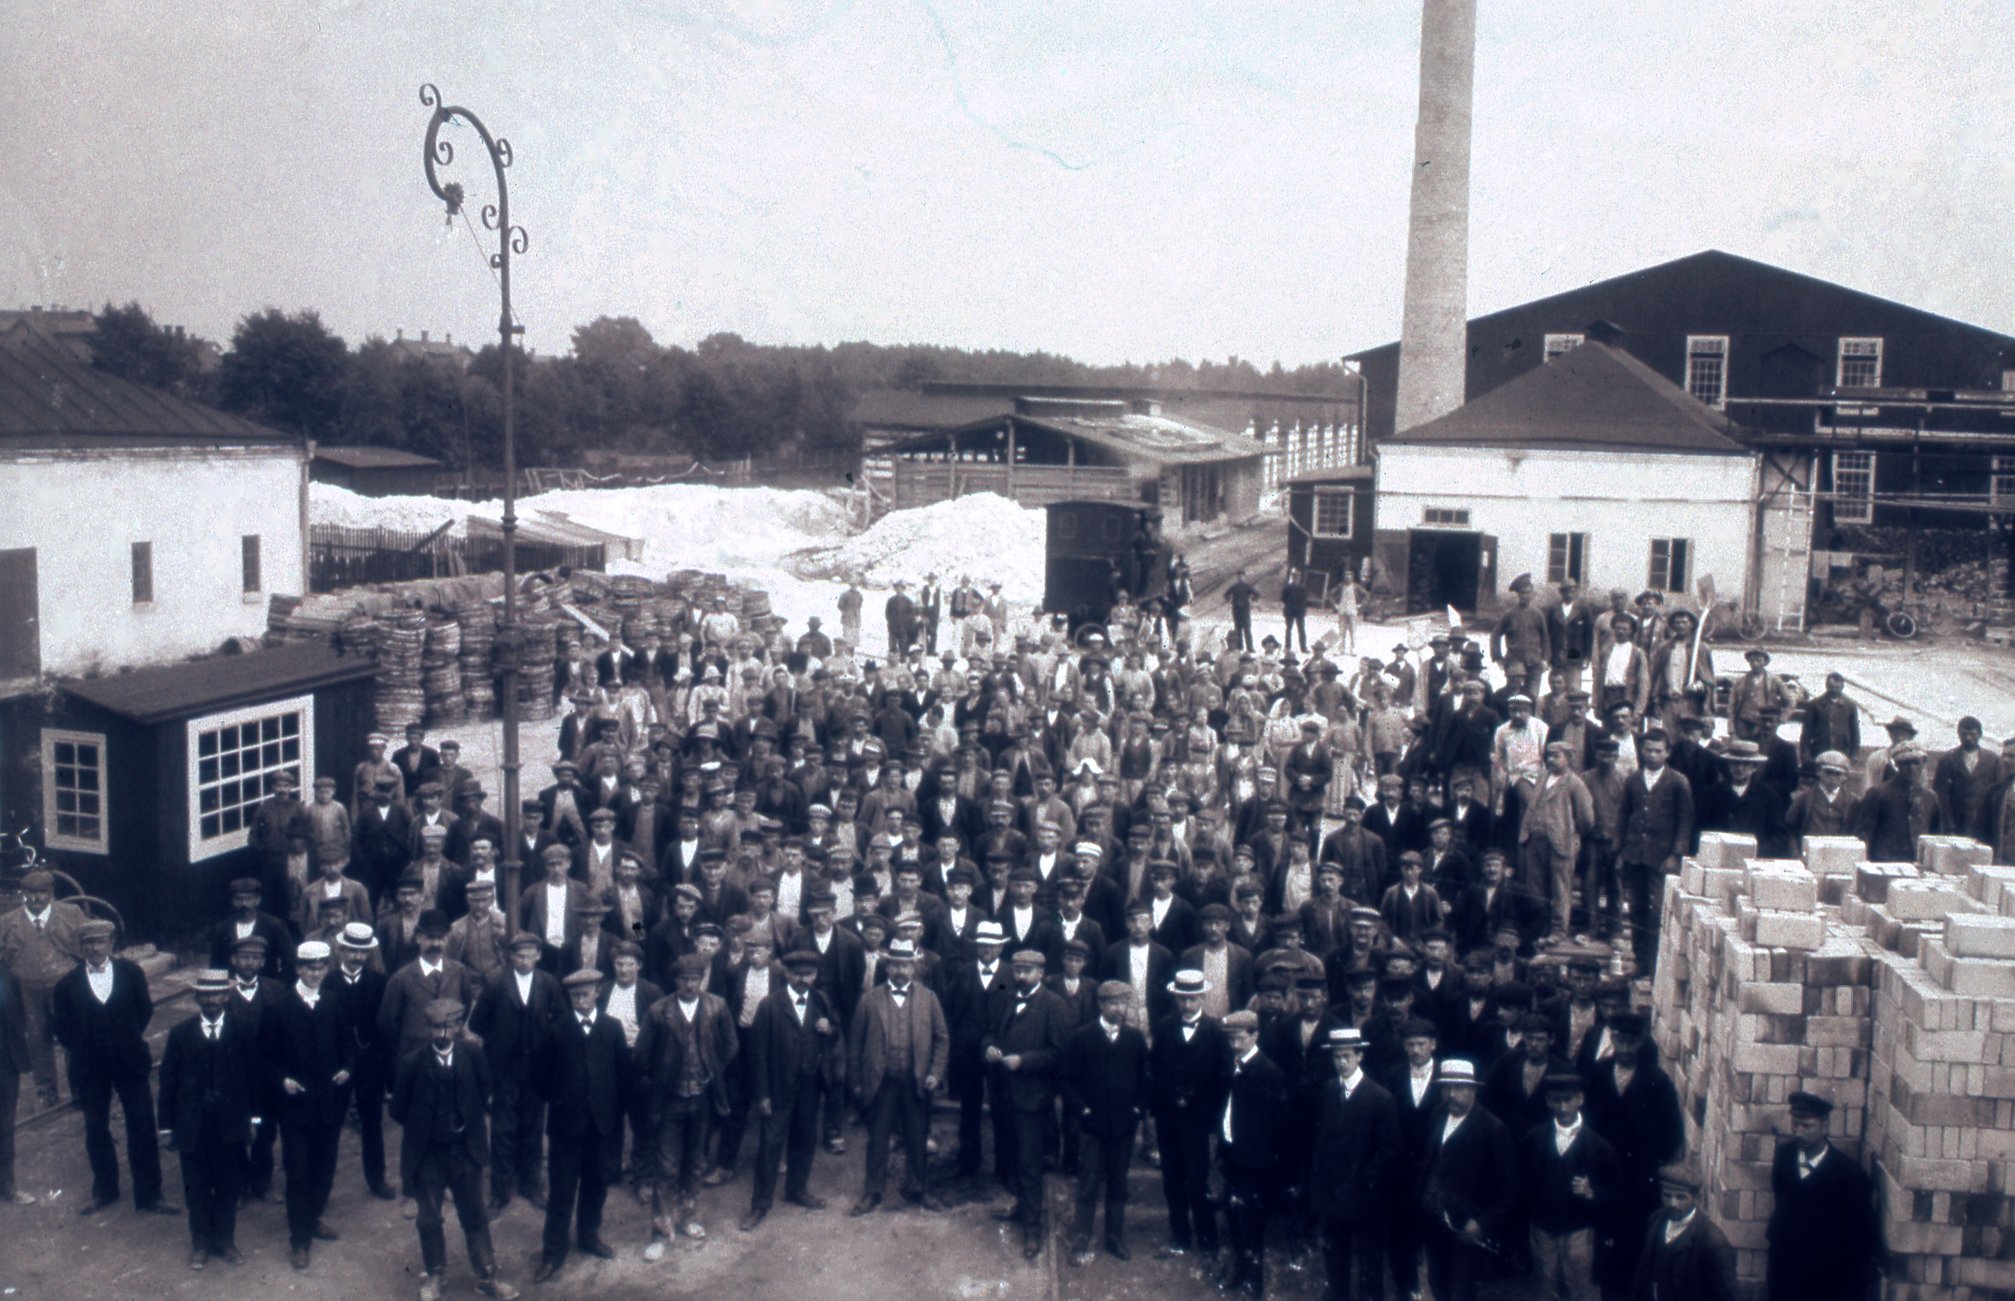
19, 857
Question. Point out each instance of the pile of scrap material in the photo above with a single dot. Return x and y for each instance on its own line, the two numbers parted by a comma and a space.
1887, 987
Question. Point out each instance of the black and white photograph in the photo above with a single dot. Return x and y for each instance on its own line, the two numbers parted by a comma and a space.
1137, 652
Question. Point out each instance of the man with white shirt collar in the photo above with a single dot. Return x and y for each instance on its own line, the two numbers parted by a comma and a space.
311, 1050
480, 940
1416, 1096
582, 1064
209, 1073
1572, 1183
793, 1049
360, 983
519, 1006
1250, 1129
431, 974
255, 1002
38, 947
1469, 1186
1356, 1128
1105, 1091
1825, 1240
101, 1012
1190, 1065
971, 1000
1686, 1256
626, 999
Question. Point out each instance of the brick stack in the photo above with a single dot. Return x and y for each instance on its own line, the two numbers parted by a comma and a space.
1760, 992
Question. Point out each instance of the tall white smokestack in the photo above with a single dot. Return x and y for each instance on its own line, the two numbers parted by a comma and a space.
1434, 335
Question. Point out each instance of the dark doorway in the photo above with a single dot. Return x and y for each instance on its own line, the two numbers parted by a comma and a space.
1444, 568
20, 616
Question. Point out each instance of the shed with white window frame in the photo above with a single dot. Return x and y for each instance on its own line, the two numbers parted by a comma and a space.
1329, 524
149, 778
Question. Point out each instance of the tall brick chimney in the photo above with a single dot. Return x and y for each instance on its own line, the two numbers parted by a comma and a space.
1434, 335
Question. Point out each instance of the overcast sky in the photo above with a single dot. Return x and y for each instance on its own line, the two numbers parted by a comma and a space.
1111, 180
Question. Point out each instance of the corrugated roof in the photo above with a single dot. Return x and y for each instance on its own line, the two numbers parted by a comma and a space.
375, 458
222, 682
1594, 397
49, 396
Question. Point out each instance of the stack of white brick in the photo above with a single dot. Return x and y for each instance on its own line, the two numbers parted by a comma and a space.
1760, 993
1941, 1117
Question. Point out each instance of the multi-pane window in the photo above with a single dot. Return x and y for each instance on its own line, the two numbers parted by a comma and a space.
1707, 367
1671, 563
1567, 557
1557, 344
1332, 513
1853, 487
73, 791
143, 573
1446, 517
248, 547
1860, 364
233, 758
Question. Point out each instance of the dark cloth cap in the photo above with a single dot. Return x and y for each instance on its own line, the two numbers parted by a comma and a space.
1810, 1105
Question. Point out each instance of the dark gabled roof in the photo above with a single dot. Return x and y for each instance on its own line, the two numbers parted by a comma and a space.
909, 409
1595, 398
174, 691
49, 397
375, 458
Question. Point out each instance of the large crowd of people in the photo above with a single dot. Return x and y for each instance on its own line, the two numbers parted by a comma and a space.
1341, 946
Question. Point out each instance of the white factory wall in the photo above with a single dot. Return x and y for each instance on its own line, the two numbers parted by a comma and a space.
1620, 500
82, 512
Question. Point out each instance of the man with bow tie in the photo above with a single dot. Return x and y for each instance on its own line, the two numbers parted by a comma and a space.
1104, 1079
1825, 1240
209, 1084
582, 1063
896, 1058
310, 1047
794, 1050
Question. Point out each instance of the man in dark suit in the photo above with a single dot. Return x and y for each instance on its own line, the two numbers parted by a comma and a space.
1493, 903
415, 760
441, 1097
309, 1047
1137, 960
1468, 1186
210, 1080
971, 992
1657, 821
683, 1053
1825, 1240
1023, 1052
101, 1013
1572, 1185
1105, 1089
1632, 1102
1416, 1094
1250, 1146
794, 1050
1462, 737
1190, 1066
1898, 812
402, 1017
14, 1061
517, 1012
248, 917
1752, 807
1686, 1256
361, 987
473, 824
582, 1062
1356, 1130
897, 1050
381, 839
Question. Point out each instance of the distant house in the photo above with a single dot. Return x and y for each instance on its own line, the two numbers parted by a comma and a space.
68, 327
428, 348
376, 471
1594, 468
1330, 521
1303, 431
1069, 449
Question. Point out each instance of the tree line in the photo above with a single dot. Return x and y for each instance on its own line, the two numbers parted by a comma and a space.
615, 389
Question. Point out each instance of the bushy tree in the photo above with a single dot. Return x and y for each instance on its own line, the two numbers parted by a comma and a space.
287, 371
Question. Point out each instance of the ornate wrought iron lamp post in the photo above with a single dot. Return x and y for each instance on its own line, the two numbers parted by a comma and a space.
510, 239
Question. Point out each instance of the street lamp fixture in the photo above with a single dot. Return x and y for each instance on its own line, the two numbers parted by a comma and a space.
511, 240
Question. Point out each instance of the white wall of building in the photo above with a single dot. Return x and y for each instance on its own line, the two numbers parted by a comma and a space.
83, 511
1620, 500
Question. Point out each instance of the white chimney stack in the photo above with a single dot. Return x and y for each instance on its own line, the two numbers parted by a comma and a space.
1434, 334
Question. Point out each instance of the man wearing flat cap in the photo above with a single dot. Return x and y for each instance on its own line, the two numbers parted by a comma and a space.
795, 1050
683, 1053
581, 1075
430, 975
248, 916
1023, 1051
1104, 1075
1895, 815
441, 1097
1825, 1240
38, 947
1251, 1139
550, 908
518, 1010
101, 1012
381, 836
1685, 1256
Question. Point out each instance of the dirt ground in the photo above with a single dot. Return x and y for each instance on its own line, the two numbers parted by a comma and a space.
960, 1255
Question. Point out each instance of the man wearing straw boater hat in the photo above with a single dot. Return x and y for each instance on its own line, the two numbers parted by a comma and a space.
210, 1072
311, 1049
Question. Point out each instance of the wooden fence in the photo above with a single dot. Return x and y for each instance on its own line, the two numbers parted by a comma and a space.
346, 557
